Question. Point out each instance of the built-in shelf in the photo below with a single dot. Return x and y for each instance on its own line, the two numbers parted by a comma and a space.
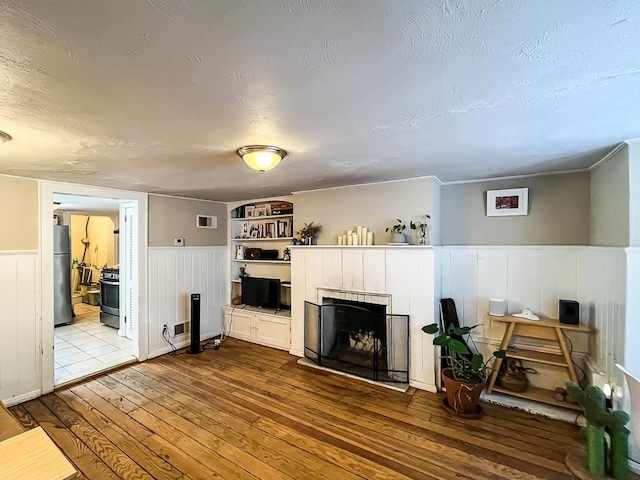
264, 217
283, 285
277, 239
263, 261
539, 395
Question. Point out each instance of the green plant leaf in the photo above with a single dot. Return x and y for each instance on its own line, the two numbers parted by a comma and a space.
461, 330
430, 329
458, 347
476, 362
500, 354
442, 340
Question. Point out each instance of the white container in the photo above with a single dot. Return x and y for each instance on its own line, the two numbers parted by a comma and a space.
497, 307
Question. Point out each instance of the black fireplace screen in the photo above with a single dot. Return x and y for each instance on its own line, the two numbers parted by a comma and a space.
357, 338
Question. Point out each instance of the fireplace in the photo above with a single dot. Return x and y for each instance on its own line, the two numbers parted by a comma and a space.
358, 338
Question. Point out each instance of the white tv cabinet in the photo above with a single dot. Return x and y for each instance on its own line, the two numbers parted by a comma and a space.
252, 324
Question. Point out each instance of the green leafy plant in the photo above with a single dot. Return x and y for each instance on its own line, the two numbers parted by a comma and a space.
398, 228
309, 230
421, 226
466, 366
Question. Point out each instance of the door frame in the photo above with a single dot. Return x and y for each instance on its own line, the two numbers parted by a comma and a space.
46, 191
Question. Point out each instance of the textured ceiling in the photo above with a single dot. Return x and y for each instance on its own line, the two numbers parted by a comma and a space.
157, 95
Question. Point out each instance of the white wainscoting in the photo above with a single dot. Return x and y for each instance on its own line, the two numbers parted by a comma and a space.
176, 273
20, 352
408, 274
632, 336
537, 277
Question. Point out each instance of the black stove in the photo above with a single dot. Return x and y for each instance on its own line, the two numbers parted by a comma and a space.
112, 274
110, 297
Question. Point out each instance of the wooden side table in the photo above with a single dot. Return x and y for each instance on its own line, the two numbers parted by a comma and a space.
545, 329
33, 455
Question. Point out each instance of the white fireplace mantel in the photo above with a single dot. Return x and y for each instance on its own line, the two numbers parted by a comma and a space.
408, 274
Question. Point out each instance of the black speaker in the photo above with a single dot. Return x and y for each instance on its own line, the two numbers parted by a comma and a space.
569, 312
195, 347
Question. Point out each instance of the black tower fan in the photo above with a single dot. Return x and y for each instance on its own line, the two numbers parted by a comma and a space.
195, 347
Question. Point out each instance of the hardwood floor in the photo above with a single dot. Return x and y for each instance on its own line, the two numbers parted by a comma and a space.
247, 411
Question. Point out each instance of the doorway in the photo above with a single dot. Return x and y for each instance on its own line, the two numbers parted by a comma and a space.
90, 334
97, 329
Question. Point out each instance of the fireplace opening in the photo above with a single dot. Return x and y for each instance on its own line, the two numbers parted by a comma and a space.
358, 338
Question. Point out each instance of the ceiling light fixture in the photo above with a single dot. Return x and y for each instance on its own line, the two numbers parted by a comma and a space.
4, 137
261, 157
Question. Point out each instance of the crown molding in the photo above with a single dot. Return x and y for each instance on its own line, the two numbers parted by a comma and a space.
433, 177
514, 177
617, 149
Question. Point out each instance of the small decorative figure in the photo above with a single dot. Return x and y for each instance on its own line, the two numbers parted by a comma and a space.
286, 254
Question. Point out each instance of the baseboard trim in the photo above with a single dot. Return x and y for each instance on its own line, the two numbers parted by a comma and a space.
25, 397
179, 345
423, 386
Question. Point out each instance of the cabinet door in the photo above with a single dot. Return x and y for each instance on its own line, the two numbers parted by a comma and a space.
241, 326
273, 331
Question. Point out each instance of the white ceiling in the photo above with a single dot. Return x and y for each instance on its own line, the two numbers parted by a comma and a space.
157, 95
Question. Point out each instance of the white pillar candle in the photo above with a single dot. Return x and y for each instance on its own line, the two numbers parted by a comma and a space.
364, 236
355, 239
344, 239
359, 231
370, 238
350, 239
339, 239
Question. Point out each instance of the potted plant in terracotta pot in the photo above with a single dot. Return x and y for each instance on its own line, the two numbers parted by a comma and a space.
466, 376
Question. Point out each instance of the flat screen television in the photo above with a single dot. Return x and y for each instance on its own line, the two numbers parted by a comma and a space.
261, 292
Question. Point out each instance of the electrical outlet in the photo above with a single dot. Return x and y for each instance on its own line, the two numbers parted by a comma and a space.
178, 242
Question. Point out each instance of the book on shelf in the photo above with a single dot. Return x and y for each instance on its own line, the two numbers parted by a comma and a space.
282, 209
285, 228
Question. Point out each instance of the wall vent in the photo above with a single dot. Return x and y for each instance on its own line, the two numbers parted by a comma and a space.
181, 328
206, 221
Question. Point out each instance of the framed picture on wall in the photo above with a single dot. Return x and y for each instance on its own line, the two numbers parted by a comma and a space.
502, 203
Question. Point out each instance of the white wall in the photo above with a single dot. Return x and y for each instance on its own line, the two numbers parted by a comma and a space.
632, 334
375, 206
176, 273
609, 221
536, 278
20, 369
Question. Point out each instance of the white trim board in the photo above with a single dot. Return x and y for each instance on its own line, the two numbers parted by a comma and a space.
18, 252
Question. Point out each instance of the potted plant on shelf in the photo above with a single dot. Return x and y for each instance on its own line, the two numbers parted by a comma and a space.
397, 232
308, 233
467, 374
421, 227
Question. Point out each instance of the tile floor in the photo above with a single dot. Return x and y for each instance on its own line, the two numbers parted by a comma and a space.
86, 346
